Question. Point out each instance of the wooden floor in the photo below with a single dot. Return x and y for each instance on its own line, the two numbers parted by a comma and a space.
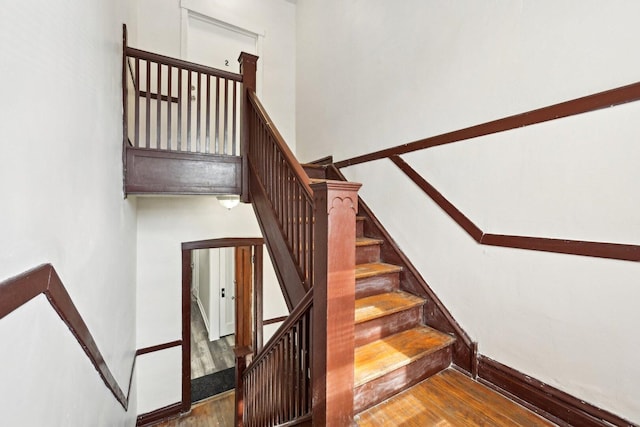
449, 398
214, 412
208, 357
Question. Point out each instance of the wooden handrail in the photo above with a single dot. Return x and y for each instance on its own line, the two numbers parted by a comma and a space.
179, 63
617, 251
294, 316
291, 160
609, 98
44, 279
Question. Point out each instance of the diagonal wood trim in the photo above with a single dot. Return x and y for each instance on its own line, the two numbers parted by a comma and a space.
549, 402
606, 99
572, 247
43, 279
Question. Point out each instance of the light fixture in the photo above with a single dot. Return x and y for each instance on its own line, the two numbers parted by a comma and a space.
229, 201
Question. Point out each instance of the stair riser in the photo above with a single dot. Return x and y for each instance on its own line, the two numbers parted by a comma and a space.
360, 228
377, 284
366, 254
384, 326
374, 392
314, 172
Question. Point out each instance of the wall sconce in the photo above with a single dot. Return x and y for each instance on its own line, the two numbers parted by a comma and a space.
229, 201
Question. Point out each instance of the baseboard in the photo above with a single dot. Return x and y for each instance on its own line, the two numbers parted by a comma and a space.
543, 399
158, 415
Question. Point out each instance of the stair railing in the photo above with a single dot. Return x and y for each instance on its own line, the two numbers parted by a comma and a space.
305, 373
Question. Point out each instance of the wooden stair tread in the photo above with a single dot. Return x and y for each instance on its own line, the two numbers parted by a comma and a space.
367, 241
360, 218
382, 356
449, 398
374, 269
316, 180
380, 305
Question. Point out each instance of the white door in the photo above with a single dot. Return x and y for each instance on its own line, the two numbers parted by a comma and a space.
216, 44
227, 292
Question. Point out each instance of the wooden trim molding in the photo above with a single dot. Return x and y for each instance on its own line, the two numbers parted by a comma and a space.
606, 99
161, 414
18, 290
43, 279
158, 347
572, 247
547, 401
275, 320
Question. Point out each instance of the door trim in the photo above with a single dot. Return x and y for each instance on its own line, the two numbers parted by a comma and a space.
187, 247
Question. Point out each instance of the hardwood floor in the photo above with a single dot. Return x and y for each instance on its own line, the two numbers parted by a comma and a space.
449, 399
215, 412
207, 356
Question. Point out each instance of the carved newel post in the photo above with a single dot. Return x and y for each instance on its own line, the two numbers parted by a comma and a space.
336, 205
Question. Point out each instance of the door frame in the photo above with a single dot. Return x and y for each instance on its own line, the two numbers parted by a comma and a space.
243, 302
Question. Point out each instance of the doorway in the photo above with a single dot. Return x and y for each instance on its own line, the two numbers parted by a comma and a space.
212, 322
229, 264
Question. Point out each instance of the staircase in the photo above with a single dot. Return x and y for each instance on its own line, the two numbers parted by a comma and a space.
403, 370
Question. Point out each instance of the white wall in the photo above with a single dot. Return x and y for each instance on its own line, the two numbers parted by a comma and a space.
160, 26
387, 74
62, 203
163, 224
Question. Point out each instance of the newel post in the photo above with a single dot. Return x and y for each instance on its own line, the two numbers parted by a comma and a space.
336, 205
248, 64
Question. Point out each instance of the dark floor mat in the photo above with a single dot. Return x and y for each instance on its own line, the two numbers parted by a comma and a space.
212, 384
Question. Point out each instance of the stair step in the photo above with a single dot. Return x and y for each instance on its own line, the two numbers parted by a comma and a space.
449, 398
375, 269
314, 171
380, 305
387, 366
367, 241
381, 315
360, 226
316, 180
383, 356
367, 250
376, 278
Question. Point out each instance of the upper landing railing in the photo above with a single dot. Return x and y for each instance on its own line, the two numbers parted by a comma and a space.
180, 106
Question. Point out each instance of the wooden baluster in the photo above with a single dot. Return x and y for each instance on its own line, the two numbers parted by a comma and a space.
137, 104
336, 205
148, 107
248, 70
169, 107
208, 116
190, 86
158, 105
226, 111
217, 115
199, 111
179, 126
